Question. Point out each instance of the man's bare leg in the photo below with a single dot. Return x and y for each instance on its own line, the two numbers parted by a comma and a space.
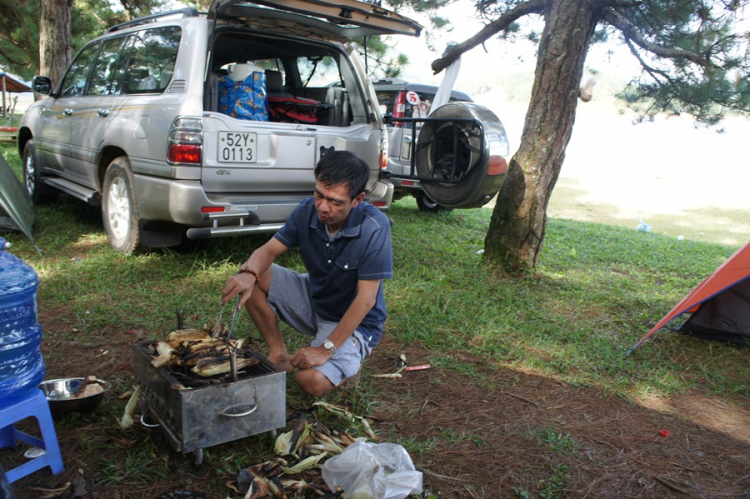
268, 323
312, 382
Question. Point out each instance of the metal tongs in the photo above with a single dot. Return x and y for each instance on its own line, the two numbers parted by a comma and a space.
217, 326
232, 349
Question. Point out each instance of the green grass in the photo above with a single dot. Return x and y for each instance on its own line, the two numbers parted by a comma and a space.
598, 289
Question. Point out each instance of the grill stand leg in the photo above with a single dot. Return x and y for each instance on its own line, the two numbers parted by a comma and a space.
198, 457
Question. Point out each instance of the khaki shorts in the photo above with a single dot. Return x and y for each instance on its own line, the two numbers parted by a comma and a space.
290, 297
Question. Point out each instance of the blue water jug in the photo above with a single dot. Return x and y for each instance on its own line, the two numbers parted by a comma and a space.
21, 363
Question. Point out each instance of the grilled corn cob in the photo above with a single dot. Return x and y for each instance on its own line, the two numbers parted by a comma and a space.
211, 366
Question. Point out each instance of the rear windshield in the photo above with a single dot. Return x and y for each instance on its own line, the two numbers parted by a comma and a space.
387, 99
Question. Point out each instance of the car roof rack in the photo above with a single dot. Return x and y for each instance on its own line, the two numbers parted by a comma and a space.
186, 12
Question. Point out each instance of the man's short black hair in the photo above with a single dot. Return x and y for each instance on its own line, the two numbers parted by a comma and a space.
337, 167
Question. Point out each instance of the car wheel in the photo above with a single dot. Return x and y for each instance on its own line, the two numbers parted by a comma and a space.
32, 177
120, 207
425, 203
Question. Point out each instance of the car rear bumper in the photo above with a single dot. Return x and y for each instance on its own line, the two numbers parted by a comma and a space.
226, 214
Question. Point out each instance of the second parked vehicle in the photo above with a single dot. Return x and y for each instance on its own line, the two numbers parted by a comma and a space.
406, 107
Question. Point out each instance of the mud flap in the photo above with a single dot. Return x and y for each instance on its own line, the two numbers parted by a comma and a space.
464, 162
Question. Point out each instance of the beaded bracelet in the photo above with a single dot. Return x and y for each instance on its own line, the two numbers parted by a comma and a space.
250, 271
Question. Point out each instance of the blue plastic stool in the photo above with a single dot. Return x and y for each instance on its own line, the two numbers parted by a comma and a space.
34, 404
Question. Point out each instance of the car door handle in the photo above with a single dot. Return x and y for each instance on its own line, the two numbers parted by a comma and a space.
68, 112
103, 112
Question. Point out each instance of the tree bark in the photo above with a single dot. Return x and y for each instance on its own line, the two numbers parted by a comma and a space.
516, 233
55, 38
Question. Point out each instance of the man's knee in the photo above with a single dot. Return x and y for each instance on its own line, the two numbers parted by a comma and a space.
258, 300
312, 382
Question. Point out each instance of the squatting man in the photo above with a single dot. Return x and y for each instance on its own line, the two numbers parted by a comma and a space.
345, 244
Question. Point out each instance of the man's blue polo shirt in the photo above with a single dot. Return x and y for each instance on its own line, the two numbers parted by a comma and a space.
361, 250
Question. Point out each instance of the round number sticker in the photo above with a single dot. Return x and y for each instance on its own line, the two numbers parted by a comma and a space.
412, 98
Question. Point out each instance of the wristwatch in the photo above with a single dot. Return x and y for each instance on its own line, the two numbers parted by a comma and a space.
328, 345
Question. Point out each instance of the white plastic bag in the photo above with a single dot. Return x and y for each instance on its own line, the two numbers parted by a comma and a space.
373, 471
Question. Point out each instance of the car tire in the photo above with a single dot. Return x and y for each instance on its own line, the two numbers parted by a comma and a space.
120, 207
474, 185
32, 179
426, 203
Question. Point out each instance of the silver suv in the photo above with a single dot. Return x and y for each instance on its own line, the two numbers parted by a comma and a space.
209, 125
400, 99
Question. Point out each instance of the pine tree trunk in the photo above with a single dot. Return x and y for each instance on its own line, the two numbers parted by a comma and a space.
516, 232
54, 38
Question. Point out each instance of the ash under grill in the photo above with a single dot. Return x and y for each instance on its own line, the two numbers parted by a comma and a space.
215, 411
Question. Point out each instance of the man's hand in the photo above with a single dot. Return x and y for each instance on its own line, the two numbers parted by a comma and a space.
309, 357
238, 284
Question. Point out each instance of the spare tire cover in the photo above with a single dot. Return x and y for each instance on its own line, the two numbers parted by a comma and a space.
481, 165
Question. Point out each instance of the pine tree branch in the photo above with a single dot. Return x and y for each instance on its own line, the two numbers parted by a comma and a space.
11, 61
631, 32
654, 72
499, 24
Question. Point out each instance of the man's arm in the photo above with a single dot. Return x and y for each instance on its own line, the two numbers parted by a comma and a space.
367, 294
259, 262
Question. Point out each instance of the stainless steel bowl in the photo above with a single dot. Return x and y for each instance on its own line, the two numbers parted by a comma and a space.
59, 391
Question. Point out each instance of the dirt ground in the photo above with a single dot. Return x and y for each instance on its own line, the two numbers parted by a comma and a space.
494, 433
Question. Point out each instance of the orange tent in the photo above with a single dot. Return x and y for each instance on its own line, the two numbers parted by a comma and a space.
720, 304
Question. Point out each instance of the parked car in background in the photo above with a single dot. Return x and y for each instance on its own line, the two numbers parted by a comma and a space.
401, 99
209, 125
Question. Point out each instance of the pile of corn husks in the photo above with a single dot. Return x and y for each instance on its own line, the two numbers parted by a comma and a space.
295, 470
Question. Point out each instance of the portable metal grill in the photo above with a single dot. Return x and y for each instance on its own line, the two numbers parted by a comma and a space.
199, 417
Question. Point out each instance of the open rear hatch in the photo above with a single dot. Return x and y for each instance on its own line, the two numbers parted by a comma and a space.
341, 19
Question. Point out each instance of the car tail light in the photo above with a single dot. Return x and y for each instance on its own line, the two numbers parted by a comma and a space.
186, 141
384, 150
184, 153
399, 108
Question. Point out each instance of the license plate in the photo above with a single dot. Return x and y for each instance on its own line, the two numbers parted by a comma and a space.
237, 147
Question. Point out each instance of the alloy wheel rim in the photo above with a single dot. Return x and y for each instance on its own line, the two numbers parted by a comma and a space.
30, 175
118, 209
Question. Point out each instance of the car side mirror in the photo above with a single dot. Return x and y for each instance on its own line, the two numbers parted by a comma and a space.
42, 85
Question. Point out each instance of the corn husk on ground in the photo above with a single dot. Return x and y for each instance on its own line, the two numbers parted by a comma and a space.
295, 470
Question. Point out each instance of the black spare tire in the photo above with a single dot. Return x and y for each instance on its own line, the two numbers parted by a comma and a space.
478, 147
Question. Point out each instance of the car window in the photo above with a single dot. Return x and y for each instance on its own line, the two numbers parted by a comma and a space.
152, 60
102, 79
269, 64
74, 83
423, 108
387, 100
318, 71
